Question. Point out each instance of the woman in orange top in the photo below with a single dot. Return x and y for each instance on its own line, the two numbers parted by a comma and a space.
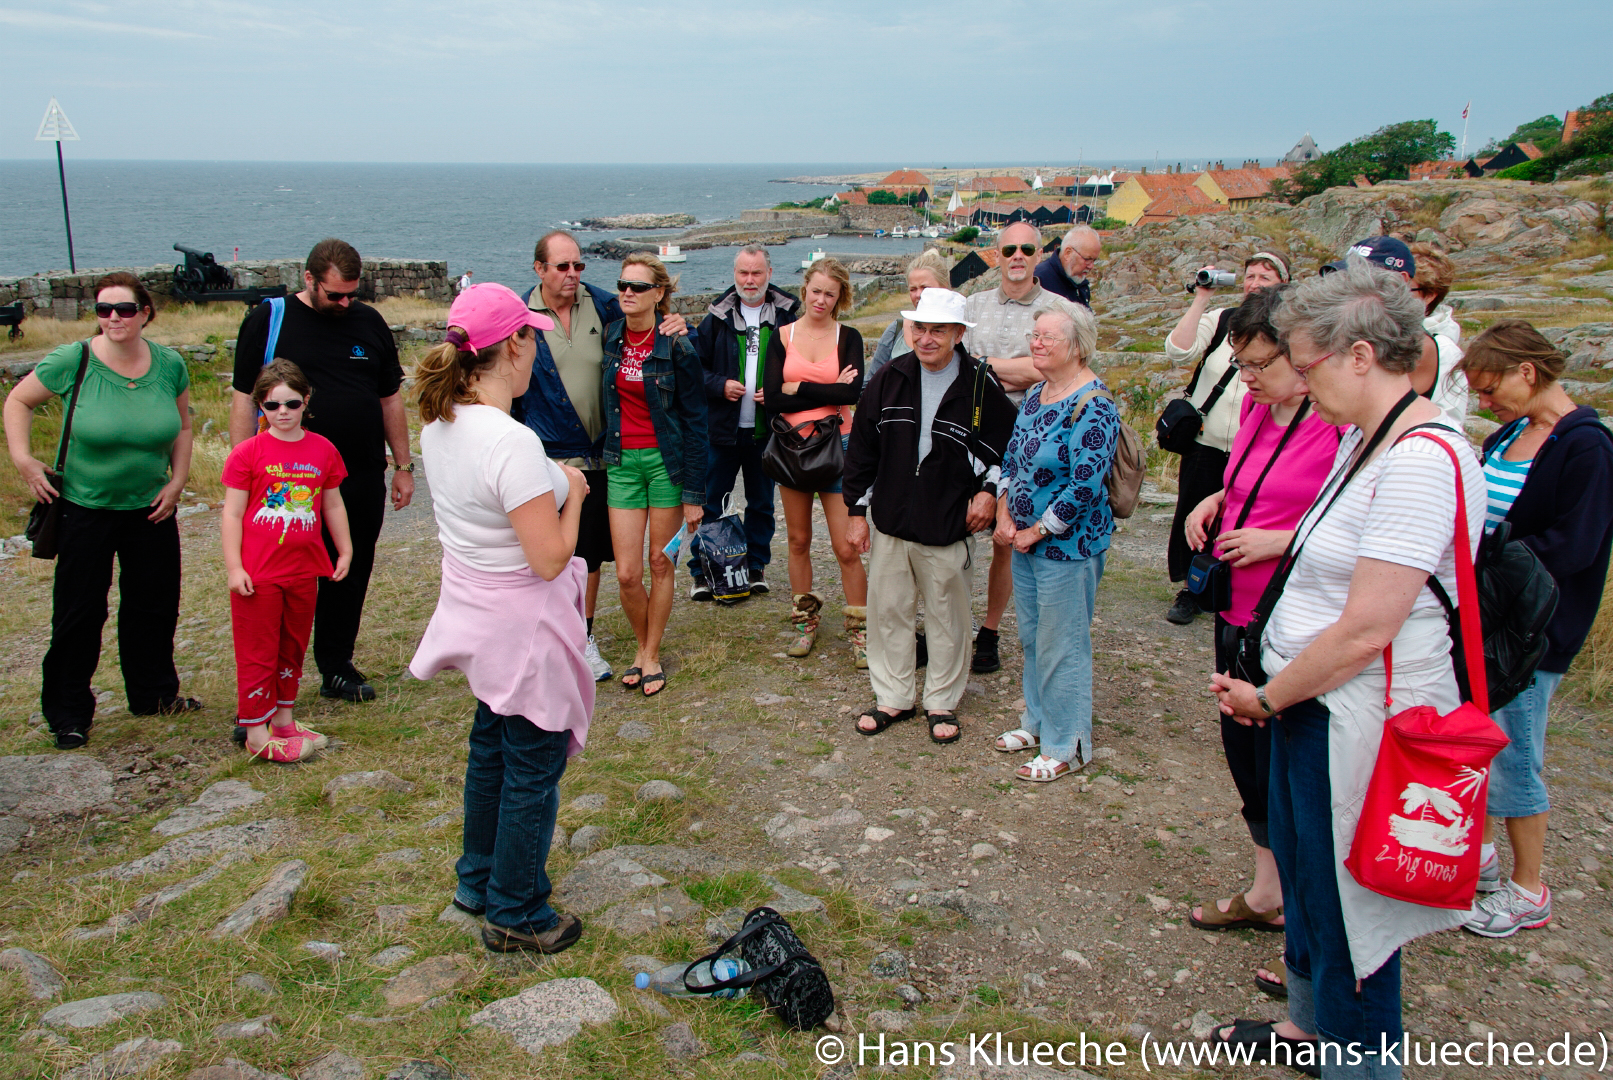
818, 372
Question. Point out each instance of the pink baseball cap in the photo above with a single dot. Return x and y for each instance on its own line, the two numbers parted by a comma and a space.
488, 313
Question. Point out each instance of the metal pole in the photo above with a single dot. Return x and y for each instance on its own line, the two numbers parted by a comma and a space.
61, 173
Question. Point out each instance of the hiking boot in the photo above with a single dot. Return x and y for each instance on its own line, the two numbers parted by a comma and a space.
985, 659
1490, 874
857, 634
562, 937
699, 590
1508, 910
1184, 610
349, 686
804, 615
758, 584
596, 663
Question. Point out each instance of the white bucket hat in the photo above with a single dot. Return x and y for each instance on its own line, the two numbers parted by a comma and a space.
940, 306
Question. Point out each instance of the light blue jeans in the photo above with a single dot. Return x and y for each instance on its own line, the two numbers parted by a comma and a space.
1517, 776
1053, 603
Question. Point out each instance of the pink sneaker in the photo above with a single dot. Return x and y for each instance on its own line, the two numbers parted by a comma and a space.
285, 751
319, 741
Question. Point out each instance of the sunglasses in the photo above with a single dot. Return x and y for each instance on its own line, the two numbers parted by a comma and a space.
275, 406
339, 296
125, 310
564, 266
623, 285
1024, 249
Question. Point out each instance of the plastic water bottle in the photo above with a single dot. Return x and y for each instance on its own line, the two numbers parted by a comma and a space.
669, 980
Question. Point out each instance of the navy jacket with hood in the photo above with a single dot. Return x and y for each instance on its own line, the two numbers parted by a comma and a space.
717, 341
546, 408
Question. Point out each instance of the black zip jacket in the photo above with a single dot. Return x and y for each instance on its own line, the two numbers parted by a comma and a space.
928, 502
719, 341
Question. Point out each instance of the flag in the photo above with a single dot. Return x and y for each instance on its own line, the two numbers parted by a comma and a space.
1465, 108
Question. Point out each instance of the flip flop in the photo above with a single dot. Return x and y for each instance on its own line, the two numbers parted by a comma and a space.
629, 674
882, 719
657, 679
1261, 1035
1238, 916
938, 718
1277, 988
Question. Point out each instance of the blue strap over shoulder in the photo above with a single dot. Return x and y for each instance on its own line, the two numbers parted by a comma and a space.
277, 315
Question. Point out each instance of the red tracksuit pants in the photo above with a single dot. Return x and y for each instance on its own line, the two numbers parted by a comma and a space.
271, 638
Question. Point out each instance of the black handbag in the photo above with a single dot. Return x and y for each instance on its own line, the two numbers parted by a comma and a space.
812, 460
784, 973
44, 520
1177, 429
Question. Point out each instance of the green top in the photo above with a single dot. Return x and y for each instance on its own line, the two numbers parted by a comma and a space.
123, 430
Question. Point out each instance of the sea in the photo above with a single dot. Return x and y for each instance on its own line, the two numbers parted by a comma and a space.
483, 218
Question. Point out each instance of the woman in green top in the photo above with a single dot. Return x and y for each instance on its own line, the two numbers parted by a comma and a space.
127, 461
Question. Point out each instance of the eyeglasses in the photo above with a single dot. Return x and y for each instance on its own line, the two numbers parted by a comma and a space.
339, 296
1302, 370
1037, 337
565, 266
1246, 365
623, 285
275, 406
125, 310
1025, 249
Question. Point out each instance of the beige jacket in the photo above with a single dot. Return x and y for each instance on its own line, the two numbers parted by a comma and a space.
1221, 423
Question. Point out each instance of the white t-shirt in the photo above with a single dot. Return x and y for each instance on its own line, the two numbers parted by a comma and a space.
1400, 508
482, 466
751, 365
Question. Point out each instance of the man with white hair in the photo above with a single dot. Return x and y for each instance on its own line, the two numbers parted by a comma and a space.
1000, 327
1067, 273
925, 454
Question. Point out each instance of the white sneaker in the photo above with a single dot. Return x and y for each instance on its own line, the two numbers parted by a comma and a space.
1490, 874
1505, 912
600, 666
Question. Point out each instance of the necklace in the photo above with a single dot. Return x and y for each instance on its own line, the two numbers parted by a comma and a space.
639, 343
820, 337
1061, 392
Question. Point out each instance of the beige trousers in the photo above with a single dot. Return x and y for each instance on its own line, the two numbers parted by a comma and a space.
899, 572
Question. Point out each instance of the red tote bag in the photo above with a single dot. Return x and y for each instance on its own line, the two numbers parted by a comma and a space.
1418, 837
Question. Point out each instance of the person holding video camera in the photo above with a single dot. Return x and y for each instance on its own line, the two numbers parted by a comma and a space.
1214, 395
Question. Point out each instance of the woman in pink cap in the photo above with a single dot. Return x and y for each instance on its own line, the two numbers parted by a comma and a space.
510, 613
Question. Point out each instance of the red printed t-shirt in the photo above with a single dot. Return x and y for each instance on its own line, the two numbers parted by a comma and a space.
281, 539
638, 431
1284, 496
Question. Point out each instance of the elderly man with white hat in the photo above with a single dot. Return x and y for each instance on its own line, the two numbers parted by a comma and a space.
925, 456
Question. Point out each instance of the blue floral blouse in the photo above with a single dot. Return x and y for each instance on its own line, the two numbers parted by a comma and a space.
1055, 470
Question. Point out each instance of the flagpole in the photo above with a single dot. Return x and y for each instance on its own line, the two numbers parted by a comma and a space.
1467, 109
61, 173
55, 127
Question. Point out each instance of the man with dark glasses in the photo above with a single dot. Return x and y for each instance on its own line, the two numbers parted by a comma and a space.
1002, 320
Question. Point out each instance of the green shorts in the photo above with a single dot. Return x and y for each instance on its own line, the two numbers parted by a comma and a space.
640, 481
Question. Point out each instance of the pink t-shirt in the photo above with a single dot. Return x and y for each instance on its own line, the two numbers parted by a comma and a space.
1288, 491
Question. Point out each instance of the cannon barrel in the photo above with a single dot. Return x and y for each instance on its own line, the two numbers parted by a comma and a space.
192, 252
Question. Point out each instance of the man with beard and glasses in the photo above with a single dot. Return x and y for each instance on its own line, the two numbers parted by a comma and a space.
351, 359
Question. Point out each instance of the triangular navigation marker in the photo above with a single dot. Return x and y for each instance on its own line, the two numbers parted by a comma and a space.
55, 127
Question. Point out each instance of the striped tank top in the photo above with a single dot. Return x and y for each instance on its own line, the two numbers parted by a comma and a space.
1504, 479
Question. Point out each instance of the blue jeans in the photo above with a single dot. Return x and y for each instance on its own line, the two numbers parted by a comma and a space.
1517, 783
723, 465
512, 793
1300, 825
1053, 605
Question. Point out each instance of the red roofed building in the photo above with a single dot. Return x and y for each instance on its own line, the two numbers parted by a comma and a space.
1437, 170
1178, 203
905, 178
1239, 188
1141, 190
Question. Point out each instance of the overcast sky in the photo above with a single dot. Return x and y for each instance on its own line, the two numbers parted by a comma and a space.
1020, 81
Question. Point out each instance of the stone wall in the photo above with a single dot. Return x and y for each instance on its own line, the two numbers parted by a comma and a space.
869, 218
792, 219
63, 295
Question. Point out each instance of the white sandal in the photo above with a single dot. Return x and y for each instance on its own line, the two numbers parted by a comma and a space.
1042, 770
1010, 742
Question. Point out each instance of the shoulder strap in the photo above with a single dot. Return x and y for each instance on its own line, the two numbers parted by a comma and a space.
1293, 425
1216, 339
1219, 389
277, 316
977, 402
744, 978
1083, 401
72, 403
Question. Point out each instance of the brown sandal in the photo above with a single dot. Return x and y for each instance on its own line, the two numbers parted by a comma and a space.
1238, 916
1278, 987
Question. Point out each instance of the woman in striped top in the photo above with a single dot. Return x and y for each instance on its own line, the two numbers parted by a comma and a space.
1549, 471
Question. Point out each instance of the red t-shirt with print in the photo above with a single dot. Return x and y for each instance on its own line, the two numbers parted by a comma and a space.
638, 431
281, 535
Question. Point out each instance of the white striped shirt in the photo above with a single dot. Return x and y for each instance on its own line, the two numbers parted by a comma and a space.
1504, 480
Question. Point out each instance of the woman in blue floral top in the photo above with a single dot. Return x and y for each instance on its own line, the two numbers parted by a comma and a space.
1055, 511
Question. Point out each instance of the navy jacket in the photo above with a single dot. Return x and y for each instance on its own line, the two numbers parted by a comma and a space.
718, 342
1051, 276
1564, 514
676, 396
546, 408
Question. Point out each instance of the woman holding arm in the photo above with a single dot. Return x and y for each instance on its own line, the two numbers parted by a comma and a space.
127, 462
817, 371
510, 611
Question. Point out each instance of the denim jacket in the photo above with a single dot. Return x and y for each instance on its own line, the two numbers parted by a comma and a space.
546, 407
677, 408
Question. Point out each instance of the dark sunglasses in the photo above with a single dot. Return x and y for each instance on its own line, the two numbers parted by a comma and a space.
1027, 249
125, 310
338, 296
623, 285
563, 267
275, 406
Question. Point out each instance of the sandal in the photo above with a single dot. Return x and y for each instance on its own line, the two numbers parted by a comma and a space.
1262, 1036
1011, 742
656, 679
1043, 770
881, 718
1238, 916
937, 719
636, 674
1278, 987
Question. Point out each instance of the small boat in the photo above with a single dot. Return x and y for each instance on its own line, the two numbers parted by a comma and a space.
670, 253
820, 236
899, 233
806, 263
932, 232
879, 233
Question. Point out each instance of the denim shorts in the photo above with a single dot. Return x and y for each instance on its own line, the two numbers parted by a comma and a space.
1517, 786
641, 481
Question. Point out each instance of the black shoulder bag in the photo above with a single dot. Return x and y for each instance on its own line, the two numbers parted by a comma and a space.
1179, 425
788, 977
1210, 578
806, 456
44, 520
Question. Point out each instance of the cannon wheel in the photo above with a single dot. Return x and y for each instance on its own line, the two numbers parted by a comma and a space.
16, 332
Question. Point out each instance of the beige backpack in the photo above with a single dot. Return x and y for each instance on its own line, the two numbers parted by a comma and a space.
1125, 479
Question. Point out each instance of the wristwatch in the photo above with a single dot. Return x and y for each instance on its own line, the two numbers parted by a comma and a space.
1260, 696
409, 468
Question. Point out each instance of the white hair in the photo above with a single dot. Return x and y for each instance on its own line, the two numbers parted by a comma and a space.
1078, 232
1080, 326
754, 249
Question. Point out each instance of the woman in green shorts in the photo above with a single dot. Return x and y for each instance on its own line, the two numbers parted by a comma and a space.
655, 454
128, 457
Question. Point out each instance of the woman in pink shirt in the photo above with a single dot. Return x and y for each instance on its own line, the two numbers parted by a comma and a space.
1278, 462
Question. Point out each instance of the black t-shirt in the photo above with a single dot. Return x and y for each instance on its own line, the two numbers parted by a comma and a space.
351, 361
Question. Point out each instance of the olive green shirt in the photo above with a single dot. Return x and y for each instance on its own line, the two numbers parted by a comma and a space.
579, 357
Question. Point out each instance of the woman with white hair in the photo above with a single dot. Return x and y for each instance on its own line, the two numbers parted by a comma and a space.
1055, 512
926, 270
1353, 583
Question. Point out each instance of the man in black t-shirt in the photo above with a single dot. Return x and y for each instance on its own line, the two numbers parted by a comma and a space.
351, 360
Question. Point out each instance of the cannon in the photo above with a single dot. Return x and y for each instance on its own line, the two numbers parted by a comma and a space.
200, 279
12, 315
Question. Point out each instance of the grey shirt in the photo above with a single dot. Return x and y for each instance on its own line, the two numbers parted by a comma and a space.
933, 386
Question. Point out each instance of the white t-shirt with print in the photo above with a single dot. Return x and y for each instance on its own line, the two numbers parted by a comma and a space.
750, 364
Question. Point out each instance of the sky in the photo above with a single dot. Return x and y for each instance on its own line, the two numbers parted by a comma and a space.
582, 81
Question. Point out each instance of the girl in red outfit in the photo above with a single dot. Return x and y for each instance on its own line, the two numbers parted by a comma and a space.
288, 478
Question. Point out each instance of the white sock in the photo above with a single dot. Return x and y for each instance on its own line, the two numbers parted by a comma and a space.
1534, 897
1486, 853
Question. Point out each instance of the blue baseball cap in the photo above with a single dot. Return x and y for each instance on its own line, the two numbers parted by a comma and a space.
1385, 251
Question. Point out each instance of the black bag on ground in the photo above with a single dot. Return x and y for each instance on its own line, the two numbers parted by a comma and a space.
810, 460
722, 550
44, 520
1178, 426
790, 979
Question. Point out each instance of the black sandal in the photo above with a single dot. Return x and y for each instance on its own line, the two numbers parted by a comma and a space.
1262, 1036
881, 718
938, 718
629, 673
658, 677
